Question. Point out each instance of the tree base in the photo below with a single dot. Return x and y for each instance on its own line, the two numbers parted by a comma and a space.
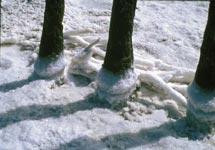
116, 88
201, 108
49, 68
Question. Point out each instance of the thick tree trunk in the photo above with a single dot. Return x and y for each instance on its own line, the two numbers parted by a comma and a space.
50, 62
51, 44
117, 80
201, 92
205, 74
119, 55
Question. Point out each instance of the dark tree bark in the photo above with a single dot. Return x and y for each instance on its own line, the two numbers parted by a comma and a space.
119, 55
205, 74
51, 44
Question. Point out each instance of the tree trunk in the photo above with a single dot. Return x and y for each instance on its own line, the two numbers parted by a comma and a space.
201, 92
119, 55
51, 44
205, 74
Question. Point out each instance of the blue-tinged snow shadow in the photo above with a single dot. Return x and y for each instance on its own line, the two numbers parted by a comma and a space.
127, 140
37, 112
6, 87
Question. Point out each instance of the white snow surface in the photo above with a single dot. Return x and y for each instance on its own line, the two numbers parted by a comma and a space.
44, 114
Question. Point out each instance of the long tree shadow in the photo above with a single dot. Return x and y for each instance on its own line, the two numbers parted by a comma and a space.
37, 112
146, 136
6, 87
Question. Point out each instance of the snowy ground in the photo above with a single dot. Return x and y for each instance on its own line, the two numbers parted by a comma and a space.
40, 114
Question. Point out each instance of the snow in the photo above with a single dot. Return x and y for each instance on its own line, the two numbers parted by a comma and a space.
48, 68
80, 64
47, 114
201, 103
115, 88
5, 63
204, 99
159, 84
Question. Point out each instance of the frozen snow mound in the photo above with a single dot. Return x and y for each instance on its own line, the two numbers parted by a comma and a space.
47, 67
116, 88
201, 104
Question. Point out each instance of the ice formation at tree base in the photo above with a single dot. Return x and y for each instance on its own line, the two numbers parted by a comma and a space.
116, 88
201, 107
49, 68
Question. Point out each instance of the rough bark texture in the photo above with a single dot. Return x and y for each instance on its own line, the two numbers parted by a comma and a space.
51, 44
205, 74
119, 55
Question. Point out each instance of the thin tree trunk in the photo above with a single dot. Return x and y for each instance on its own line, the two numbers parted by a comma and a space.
119, 55
205, 74
51, 44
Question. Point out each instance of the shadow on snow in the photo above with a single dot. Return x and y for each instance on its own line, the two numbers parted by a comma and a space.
37, 112
145, 136
6, 87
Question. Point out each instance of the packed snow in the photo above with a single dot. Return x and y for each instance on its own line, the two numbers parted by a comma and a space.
65, 113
